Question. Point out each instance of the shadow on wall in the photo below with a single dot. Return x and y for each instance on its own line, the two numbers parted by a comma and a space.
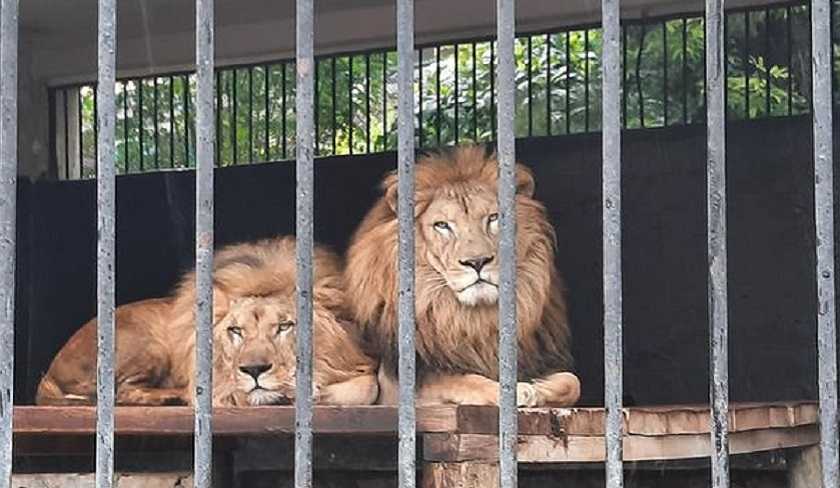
772, 324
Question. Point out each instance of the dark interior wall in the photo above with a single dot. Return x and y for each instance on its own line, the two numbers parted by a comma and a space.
772, 324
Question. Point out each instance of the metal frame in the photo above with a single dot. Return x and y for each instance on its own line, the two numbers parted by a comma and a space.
503, 79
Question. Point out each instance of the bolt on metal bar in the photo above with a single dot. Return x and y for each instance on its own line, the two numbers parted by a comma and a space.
305, 188
9, 10
405, 210
824, 219
717, 254
105, 251
506, 149
611, 207
204, 164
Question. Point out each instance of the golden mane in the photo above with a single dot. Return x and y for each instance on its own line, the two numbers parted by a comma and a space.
452, 337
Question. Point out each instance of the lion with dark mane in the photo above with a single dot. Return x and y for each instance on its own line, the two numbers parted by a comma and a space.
456, 286
254, 348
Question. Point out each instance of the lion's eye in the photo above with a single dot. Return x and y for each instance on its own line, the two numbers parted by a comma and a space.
441, 225
284, 326
493, 217
236, 331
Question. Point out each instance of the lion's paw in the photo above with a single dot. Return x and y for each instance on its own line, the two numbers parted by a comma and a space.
527, 395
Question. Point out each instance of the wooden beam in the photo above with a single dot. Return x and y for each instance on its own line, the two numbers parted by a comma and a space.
574, 448
460, 475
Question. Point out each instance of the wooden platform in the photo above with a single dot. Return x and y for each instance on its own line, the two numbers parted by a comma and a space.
456, 442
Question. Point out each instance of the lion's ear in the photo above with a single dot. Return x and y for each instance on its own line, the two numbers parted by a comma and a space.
524, 181
390, 184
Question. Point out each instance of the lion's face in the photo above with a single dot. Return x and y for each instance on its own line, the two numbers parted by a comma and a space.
257, 342
459, 238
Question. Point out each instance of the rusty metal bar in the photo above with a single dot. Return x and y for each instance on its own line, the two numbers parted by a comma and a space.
204, 164
716, 206
611, 208
824, 220
506, 144
9, 10
304, 147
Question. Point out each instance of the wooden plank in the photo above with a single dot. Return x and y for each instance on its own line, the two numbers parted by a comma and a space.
584, 449
460, 475
254, 421
665, 420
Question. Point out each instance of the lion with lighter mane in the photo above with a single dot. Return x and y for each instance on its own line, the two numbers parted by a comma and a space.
254, 356
457, 286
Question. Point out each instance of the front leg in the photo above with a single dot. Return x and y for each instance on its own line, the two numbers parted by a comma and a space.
361, 390
470, 389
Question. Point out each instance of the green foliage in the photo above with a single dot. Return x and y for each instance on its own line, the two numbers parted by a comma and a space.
558, 91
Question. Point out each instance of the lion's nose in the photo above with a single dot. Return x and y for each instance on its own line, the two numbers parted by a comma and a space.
255, 370
476, 263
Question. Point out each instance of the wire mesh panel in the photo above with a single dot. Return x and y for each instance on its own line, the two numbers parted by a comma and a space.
106, 211
824, 220
205, 141
505, 18
611, 208
716, 212
405, 193
8, 205
304, 249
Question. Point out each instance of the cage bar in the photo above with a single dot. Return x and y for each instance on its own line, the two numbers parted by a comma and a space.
505, 18
611, 208
105, 261
204, 163
305, 63
405, 209
8, 206
824, 220
716, 207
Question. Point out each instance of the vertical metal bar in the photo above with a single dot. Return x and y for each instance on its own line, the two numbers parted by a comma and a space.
204, 166
317, 102
568, 83
506, 149
639, 88
384, 101
234, 122
66, 135
493, 88
789, 42
421, 140
611, 208
9, 10
218, 89
156, 125
267, 98
80, 118
624, 88
548, 84
367, 102
457, 131
717, 254
350, 121
767, 61
530, 87
251, 114
405, 210
305, 188
746, 62
685, 70
140, 125
438, 122
665, 73
283, 102
475, 93
586, 80
334, 106
186, 94
824, 219
105, 255
95, 126
171, 122
125, 123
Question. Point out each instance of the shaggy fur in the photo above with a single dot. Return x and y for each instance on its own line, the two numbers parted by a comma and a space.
457, 330
160, 372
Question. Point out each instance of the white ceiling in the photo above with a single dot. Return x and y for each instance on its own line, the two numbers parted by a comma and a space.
157, 35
